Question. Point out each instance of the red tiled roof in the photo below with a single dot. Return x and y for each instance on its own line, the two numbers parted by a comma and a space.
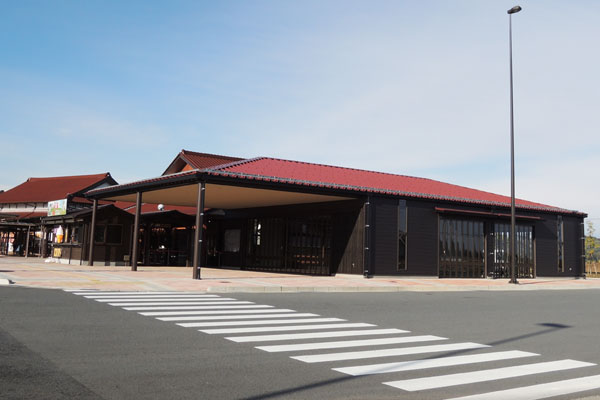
36, 190
187, 160
346, 179
204, 160
307, 174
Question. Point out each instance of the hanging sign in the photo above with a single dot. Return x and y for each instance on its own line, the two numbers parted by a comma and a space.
57, 207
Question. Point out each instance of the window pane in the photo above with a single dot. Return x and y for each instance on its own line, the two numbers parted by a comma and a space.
99, 233
402, 235
231, 239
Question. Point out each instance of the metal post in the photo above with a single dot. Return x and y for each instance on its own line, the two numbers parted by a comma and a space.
92, 231
197, 264
136, 231
513, 275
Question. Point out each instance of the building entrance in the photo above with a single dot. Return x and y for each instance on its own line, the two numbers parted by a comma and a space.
461, 248
500, 251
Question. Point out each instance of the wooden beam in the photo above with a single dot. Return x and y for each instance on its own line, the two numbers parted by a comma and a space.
368, 244
92, 230
27, 242
136, 231
197, 264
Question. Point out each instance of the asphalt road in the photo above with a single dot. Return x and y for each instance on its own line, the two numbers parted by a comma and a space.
59, 345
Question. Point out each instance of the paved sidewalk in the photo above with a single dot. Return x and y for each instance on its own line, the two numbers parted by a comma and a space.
35, 272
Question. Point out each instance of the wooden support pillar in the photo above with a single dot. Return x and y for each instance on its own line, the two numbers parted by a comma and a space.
367, 252
44, 242
136, 231
92, 231
84, 244
197, 264
41, 240
27, 242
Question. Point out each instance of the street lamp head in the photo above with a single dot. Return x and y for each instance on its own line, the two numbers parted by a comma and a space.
514, 10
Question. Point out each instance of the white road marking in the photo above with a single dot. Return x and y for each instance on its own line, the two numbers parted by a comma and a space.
540, 391
258, 311
94, 292
435, 382
203, 307
285, 328
237, 317
432, 363
261, 322
401, 351
182, 299
314, 335
154, 296
348, 343
182, 303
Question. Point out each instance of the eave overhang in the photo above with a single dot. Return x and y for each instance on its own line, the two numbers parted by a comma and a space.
222, 177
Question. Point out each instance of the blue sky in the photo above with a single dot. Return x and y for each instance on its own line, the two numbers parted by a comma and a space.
410, 87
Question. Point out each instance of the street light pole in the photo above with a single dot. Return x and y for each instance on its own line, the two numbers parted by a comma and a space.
513, 277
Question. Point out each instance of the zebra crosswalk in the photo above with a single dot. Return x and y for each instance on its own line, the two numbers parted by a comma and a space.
362, 348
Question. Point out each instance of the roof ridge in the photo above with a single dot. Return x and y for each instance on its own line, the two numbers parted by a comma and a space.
184, 151
105, 174
362, 170
233, 164
348, 168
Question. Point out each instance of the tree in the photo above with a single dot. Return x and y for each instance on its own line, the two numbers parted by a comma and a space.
592, 244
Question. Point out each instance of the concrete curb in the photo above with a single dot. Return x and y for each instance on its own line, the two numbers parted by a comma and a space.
377, 289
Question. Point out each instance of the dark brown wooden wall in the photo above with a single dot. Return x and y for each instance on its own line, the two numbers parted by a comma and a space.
573, 246
112, 253
384, 236
422, 239
347, 237
546, 253
547, 250
348, 224
348, 242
